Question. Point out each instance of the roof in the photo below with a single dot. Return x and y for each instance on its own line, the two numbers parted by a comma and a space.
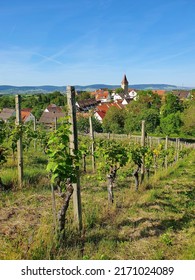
87, 102
102, 95
127, 99
160, 92
101, 114
49, 117
182, 94
104, 107
7, 113
124, 81
117, 105
24, 115
54, 108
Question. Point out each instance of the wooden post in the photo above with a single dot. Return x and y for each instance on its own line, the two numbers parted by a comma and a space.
35, 128
54, 208
92, 144
151, 142
74, 147
178, 148
55, 123
166, 157
19, 142
143, 144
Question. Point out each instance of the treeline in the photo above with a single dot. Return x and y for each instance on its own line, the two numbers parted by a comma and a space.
38, 102
164, 116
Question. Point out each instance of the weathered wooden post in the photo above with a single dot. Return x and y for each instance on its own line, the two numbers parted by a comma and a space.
178, 148
166, 157
151, 142
19, 142
54, 208
55, 123
143, 144
92, 143
74, 147
35, 128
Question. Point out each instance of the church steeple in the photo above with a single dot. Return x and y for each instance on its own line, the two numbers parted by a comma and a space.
124, 84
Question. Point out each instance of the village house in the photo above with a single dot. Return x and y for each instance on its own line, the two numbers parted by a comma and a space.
117, 96
86, 105
7, 113
51, 115
126, 100
101, 95
102, 109
26, 115
160, 92
132, 94
182, 94
99, 115
53, 108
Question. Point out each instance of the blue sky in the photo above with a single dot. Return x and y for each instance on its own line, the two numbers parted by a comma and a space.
82, 42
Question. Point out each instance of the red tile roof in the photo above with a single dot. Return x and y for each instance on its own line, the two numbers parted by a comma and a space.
101, 114
24, 115
160, 92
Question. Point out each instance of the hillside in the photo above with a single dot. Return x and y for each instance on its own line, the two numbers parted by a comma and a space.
157, 222
6, 89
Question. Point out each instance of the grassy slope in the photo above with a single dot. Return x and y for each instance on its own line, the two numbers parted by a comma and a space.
157, 222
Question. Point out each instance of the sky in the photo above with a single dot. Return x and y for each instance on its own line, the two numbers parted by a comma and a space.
83, 42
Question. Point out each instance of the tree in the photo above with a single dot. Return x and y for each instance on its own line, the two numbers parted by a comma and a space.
114, 120
150, 99
145, 107
83, 124
188, 119
152, 119
83, 95
171, 124
172, 105
119, 90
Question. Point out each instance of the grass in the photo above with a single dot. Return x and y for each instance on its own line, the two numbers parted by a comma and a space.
156, 222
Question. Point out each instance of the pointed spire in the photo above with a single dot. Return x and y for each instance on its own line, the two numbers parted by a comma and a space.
124, 81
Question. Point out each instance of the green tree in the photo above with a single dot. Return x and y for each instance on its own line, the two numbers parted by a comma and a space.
172, 105
171, 124
188, 119
83, 95
152, 118
114, 120
149, 99
83, 124
119, 90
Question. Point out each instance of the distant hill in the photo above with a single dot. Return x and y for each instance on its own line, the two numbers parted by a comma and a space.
6, 89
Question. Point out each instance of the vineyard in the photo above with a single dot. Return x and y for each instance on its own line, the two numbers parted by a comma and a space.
65, 196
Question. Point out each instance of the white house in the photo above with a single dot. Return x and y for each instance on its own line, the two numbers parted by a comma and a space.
133, 94
116, 96
99, 115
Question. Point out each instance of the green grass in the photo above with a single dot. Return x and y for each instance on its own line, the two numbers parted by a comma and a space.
156, 222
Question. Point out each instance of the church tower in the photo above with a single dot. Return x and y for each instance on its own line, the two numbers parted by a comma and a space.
124, 85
